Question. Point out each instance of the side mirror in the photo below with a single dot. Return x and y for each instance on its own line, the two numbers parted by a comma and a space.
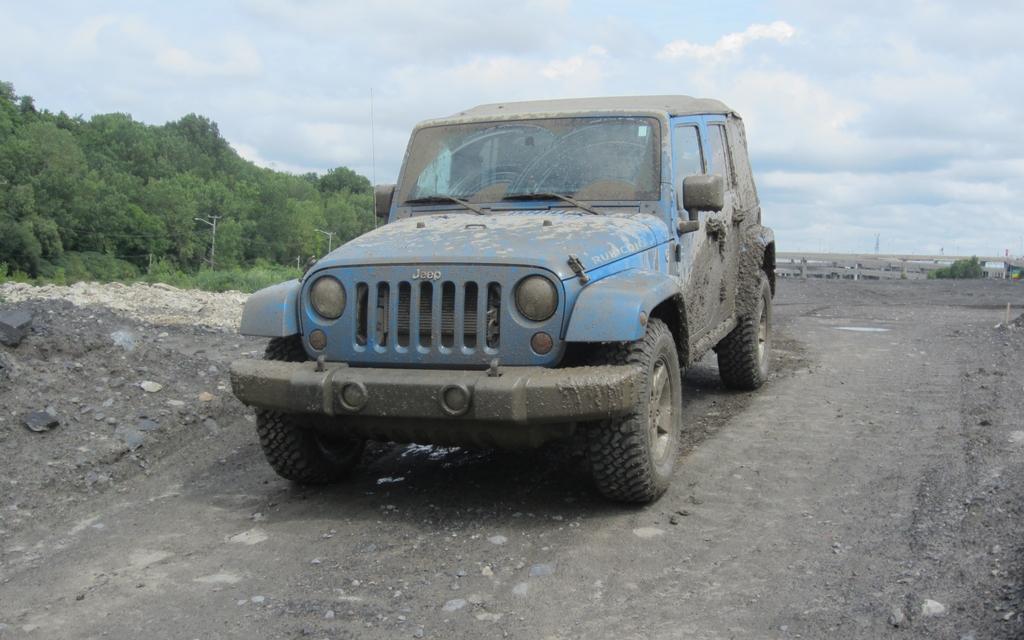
383, 194
687, 226
703, 192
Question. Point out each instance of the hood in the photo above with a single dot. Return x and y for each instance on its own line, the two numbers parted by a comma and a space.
533, 238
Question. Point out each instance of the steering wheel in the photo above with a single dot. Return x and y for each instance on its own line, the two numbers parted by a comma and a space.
502, 174
609, 189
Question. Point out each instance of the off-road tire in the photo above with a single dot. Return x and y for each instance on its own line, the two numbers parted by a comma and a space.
744, 356
632, 457
288, 349
293, 447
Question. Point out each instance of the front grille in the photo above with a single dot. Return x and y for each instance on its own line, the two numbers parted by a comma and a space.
428, 315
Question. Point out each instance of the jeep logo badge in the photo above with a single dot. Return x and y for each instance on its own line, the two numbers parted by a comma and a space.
422, 274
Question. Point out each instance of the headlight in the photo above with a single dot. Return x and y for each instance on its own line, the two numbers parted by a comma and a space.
536, 298
328, 297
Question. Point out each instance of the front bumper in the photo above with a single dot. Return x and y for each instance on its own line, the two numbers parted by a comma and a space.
518, 396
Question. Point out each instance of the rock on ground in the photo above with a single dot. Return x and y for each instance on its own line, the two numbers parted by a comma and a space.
158, 303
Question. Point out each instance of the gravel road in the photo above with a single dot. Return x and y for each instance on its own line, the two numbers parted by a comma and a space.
871, 489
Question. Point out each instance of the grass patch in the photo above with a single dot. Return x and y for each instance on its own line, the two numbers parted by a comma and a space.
94, 267
244, 280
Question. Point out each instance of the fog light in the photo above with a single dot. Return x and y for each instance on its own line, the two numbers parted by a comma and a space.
541, 343
318, 339
455, 399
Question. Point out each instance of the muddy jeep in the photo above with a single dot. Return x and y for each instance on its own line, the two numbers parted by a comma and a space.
545, 267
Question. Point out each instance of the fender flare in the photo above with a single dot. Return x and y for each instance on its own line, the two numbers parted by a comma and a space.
757, 254
609, 309
272, 312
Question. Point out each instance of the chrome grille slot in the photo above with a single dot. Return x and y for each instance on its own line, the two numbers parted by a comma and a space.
404, 313
493, 317
362, 303
469, 328
426, 313
381, 327
448, 314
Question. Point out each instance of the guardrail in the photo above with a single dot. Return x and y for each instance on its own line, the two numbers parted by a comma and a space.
852, 266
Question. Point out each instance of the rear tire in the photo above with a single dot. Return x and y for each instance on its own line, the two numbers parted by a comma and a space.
744, 356
632, 457
294, 448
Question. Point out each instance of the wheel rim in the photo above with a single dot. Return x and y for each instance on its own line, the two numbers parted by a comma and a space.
762, 336
337, 450
660, 416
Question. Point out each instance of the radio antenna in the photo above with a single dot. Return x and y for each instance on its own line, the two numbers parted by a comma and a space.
373, 144
373, 157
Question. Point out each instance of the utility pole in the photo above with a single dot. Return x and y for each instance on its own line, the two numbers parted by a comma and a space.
330, 237
213, 243
298, 262
876, 243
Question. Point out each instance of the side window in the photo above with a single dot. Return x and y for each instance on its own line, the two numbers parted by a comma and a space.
686, 148
720, 153
745, 188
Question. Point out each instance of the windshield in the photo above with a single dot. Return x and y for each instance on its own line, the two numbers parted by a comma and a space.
589, 159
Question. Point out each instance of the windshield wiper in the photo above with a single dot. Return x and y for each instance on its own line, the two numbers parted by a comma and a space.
548, 195
437, 199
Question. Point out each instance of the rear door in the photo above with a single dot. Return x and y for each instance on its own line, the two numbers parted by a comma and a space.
721, 226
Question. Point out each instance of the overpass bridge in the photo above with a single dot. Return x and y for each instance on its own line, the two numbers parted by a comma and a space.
874, 266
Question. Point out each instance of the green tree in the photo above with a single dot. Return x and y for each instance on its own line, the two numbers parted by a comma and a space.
349, 215
343, 179
79, 198
18, 245
965, 269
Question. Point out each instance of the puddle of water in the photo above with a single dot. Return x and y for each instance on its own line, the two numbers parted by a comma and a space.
868, 329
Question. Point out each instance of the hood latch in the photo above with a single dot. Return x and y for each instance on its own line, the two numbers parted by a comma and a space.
577, 266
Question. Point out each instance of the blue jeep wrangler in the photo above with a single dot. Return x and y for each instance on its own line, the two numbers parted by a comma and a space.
545, 266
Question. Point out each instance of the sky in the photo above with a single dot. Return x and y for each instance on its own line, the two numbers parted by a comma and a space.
899, 121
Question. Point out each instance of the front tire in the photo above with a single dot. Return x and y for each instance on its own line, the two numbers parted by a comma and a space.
294, 448
632, 457
744, 356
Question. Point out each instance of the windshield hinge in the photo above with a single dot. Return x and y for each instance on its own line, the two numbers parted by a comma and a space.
577, 266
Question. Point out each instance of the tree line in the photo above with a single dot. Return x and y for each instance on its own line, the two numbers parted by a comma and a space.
965, 269
110, 197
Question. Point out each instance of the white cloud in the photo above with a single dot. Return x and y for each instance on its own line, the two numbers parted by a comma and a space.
99, 38
792, 121
85, 34
558, 68
872, 117
253, 155
403, 30
238, 58
728, 45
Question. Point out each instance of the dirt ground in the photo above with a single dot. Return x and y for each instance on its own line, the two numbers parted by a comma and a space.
871, 489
